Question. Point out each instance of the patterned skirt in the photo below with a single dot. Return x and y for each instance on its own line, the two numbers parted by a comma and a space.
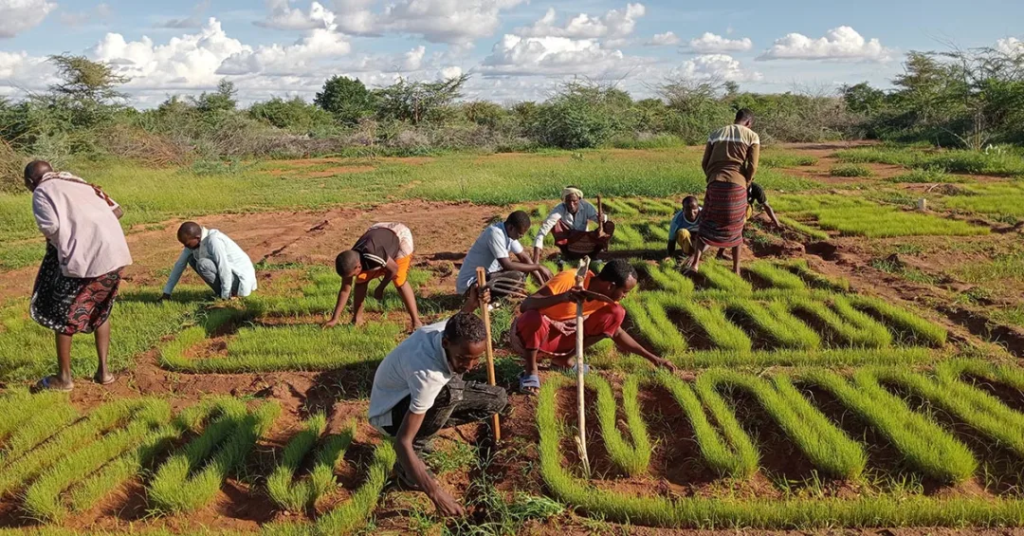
70, 305
725, 212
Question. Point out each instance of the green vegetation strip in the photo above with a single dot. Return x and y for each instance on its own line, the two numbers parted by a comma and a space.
65, 443
924, 444
704, 513
42, 499
353, 513
827, 447
634, 459
300, 495
189, 479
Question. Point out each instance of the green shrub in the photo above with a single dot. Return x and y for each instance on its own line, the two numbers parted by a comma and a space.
850, 170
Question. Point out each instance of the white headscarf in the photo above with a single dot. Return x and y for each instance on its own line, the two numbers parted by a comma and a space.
566, 192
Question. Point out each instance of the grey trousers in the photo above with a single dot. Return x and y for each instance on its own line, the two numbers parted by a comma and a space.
207, 271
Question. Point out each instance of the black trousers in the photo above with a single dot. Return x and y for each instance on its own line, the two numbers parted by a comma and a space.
458, 403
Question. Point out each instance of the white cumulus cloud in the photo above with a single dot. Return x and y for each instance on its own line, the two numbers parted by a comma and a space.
842, 43
718, 67
454, 22
613, 24
17, 16
297, 59
1010, 46
283, 16
709, 43
516, 55
666, 39
188, 61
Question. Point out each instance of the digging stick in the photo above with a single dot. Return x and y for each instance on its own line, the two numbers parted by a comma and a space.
581, 441
481, 282
600, 217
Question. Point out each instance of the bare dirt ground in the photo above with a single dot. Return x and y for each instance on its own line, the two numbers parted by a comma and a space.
443, 232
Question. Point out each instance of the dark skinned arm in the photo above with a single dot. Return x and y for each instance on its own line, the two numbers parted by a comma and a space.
390, 274
414, 467
771, 214
525, 265
627, 344
346, 289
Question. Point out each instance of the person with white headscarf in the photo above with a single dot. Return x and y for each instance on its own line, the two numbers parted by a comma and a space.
569, 224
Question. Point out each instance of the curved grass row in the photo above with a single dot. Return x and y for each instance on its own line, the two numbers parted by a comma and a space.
189, 479
704, 513
827, 447
925, 445
65, 443
42, 499
297, 496
632, 459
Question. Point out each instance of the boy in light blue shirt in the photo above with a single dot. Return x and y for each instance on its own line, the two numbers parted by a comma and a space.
684, 226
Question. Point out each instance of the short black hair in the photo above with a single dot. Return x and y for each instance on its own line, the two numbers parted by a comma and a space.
189, 229
346, 261
618, 272
519, 219
36, 169
465, 327
690, 199
744, 114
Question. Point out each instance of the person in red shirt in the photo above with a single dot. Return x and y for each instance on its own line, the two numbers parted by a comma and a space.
546, 328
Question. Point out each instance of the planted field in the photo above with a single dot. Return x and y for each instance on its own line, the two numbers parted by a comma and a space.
875, 431
805, 401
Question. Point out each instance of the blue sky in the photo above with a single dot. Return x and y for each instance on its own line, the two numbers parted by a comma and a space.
513, 49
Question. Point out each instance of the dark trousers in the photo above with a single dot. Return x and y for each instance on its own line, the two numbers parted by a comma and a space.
207, 271
458, 403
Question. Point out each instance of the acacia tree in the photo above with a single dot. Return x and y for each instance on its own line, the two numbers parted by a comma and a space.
416, 102
84, 80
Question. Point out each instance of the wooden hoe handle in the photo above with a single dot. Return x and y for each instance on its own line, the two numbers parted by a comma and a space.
481, 285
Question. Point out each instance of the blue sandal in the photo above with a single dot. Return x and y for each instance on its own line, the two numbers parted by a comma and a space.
528, 381
586, 369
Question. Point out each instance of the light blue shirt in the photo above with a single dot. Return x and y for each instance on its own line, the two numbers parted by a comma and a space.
492, 246
230, 260
679, 221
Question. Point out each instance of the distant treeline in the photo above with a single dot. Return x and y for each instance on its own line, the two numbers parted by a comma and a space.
965, 99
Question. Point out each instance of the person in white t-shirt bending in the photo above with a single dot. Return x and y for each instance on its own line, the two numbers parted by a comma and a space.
492, 251
418, 390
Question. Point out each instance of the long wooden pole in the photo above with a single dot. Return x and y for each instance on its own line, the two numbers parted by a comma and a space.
600, 217
581, 277
481, 282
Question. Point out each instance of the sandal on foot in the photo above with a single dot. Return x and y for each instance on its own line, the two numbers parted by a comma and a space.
49, 383
108, 381
528, 381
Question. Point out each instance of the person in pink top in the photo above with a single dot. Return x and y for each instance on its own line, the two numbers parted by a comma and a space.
78, 280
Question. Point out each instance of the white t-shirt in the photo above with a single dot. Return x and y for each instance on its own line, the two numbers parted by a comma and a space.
492, 245
417, 368
585, 214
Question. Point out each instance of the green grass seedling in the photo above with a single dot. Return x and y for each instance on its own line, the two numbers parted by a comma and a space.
816, 280
775, 321
924, 444
42, 499
902, 321
64, 443
827, 447
18, 405
803, 228
712, 320
718, 277
977, 408
40, 427
353, 513
649, 317
633, 459
303, 494
667, 277
173, 490
858, 331
775, 276
850, 170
